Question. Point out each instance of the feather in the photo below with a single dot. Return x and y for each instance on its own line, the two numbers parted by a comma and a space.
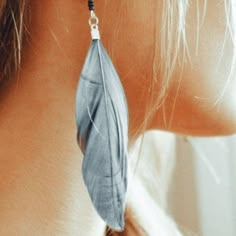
102, 123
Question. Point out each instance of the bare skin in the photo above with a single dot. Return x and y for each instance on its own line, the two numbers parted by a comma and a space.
37, 120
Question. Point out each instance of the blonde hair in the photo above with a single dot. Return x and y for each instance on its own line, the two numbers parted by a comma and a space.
171, 45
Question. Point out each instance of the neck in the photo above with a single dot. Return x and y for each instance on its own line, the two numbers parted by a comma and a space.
40, 160
59, 41
58, 44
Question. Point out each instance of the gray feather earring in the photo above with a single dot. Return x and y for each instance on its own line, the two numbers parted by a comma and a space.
102, 131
